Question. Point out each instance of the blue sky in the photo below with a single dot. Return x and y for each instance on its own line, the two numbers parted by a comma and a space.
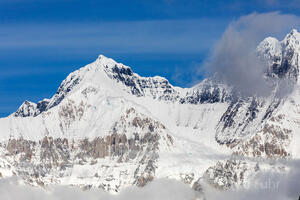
42, 41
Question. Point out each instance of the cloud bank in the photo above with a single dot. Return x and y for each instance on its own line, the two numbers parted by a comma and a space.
265, 185
234, 59
162, 189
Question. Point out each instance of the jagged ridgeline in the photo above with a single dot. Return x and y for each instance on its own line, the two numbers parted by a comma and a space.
107, 127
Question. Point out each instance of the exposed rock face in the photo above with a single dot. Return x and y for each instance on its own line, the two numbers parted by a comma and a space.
271, 142
207, 92
28, 109
66, 86
241, 116
226, 175
41, 106
156, 87
20, 146
71, 112
51, 156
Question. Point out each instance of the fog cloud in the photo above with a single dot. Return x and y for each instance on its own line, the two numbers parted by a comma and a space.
234, 60
266, 185
162, 189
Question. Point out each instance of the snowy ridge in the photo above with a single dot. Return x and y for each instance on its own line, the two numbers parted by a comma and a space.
282, 57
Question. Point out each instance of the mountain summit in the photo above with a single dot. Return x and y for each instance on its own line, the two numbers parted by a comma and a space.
282, 57
107, 127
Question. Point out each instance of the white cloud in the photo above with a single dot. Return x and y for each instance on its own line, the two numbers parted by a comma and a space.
157, 190
266, 185
234, 57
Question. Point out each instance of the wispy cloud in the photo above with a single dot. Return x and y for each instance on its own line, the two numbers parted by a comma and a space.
158, 190
166, 36
281, 185
234, 59
265, 185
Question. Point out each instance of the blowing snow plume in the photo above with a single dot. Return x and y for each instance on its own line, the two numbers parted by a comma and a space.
234, 59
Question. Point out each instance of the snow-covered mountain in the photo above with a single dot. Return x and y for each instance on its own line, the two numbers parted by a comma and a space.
107, 127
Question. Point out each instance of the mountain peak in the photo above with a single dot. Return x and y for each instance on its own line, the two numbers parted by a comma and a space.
111, 77
269, 47
101, 56
103, 59
30, 109
294, 32
26, 109
293, 38
281, 56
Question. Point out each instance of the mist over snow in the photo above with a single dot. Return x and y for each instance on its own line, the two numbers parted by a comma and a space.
234, 58
265, 185
157, 190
